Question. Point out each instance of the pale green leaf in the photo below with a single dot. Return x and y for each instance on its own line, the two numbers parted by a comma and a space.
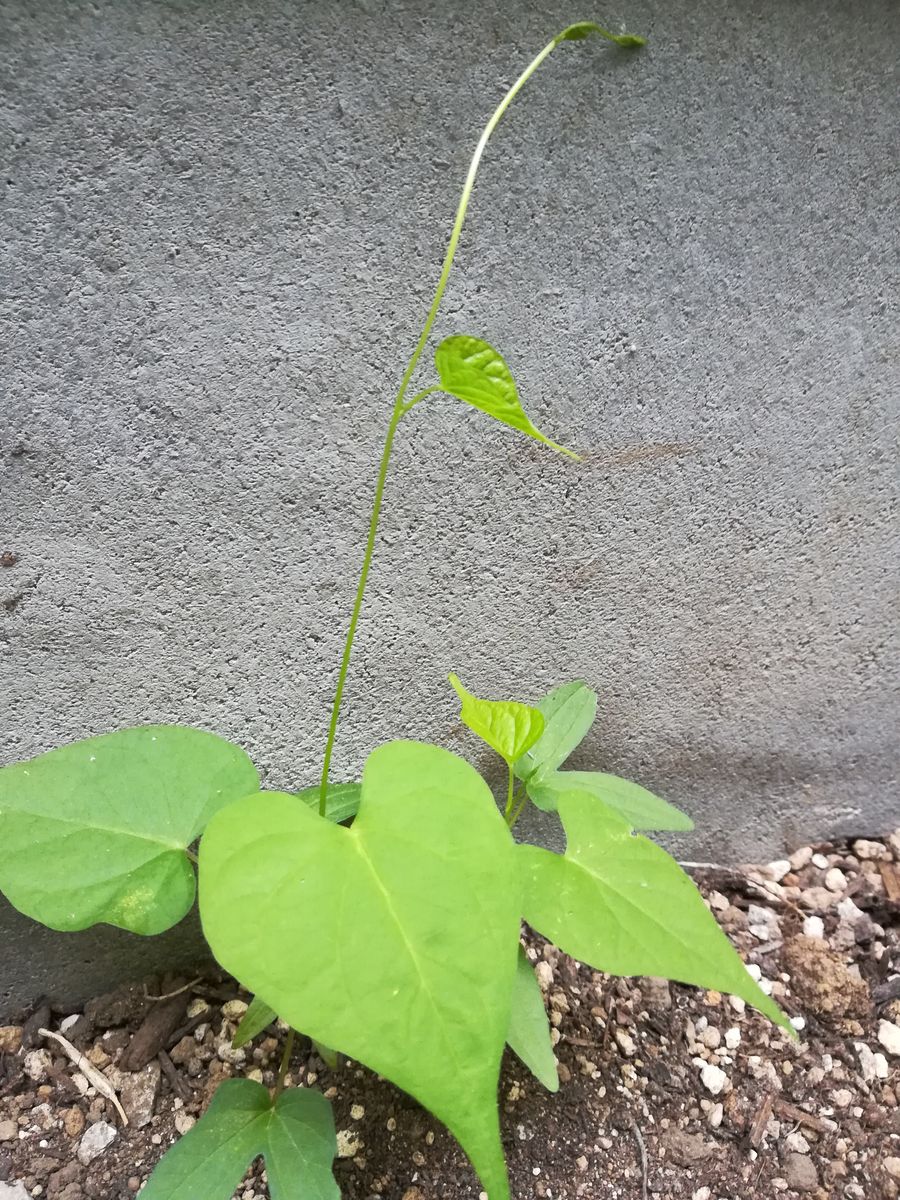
618, 902
508, 727
394, 940
529, 1030
475, 372
295, 1135
583, 29
341, 801
257, 1017
97, 831
568, 713
640, 808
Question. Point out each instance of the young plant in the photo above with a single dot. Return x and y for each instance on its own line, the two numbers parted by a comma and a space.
380, 918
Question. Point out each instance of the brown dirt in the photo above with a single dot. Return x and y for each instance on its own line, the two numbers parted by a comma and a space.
819, 1118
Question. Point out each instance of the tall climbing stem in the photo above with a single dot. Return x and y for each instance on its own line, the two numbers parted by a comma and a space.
401, 406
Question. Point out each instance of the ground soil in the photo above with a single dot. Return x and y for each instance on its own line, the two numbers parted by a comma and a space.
667, 1092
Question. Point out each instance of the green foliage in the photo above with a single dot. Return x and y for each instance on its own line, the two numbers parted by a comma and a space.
98, 831
618, 902
568, 713
529, 1030
583, 29
393, 941
639, 807
475, 372
342, 801
295, 1135
257, 1018
508, 727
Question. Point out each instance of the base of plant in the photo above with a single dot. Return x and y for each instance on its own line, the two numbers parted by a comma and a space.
625, 1047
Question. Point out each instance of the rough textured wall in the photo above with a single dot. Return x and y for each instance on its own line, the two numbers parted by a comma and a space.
222, 224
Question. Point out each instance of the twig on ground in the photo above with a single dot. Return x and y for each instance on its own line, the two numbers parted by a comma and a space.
171, 995
90, 1072
638, 1137
179, 1087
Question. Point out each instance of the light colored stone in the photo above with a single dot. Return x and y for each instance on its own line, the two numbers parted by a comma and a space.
814, 927
36, 1065
348, 1143
13, 1191
96, 1139
796, 1142
9, 1131
801, 858
702, 1193
625, 1042
819, 860
892, 1167
779, 868
732, 1038
715, 1116
864, 849
800, 1172
138, 1094
184, 1122
889, 1037
713, 1079
835, 880
233, 1010
10, 1039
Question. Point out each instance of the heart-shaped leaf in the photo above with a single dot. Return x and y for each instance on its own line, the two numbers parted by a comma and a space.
295, 1135
529, 1030
97, 831
475, 372
394, 940
341, 800
640, 808
508, 727
568, 713
618, 902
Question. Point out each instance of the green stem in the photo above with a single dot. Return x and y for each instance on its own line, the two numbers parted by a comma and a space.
510, 784
518, 810
285, 1063
572, 33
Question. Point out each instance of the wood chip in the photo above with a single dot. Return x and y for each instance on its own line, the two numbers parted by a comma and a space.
88, 1070
790, 1112
891, 877
156, 1029
761, 1121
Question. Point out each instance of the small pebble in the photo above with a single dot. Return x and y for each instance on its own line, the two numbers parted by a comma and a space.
713, 1079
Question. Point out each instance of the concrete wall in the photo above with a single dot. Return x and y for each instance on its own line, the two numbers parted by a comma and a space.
222, 224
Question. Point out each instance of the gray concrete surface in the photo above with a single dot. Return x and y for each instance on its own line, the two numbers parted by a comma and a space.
221, 228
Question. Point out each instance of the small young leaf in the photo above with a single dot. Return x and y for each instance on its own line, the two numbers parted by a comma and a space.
529, 1030
475, 372
295, 1135
341, 801
583, 29
619, 903
508, 727
253, 1022
568, 713
97, 831
640, 808
393, 940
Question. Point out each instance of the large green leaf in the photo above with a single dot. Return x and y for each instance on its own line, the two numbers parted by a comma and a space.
97, 831
617, 901
341, 800
475, 372
568, 713
393, 941
507, 726
295, 1134
640, 808
529, 1030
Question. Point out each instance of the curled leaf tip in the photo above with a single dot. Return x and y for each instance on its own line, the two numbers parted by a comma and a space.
583, 29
